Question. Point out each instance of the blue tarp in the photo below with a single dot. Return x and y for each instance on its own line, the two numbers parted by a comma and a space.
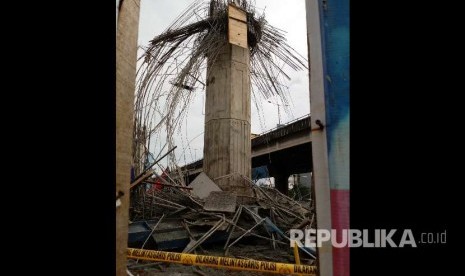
260, 172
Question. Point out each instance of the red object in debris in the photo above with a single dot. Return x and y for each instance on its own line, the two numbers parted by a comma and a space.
158, 182
157, 185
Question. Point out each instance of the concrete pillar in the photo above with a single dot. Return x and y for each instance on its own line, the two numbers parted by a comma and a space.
227, 143
281, 182
329, 54
126, 54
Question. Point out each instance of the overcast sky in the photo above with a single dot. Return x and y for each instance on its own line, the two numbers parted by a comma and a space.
289, 16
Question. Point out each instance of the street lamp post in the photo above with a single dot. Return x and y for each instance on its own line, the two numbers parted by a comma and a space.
279, 114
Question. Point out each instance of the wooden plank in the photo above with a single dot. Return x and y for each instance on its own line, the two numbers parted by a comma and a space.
237, 32
237, 13
141, 179
126, 57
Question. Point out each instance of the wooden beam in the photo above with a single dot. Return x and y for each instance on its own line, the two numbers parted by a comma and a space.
237, 26
237, 13
141, 179
126, 56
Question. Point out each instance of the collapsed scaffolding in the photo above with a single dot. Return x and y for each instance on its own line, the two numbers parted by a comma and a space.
188, 218
174, 66
171, 69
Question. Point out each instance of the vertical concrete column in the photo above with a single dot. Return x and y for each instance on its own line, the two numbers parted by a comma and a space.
328, 24
281, 181
319, 142
126, 54
227, 142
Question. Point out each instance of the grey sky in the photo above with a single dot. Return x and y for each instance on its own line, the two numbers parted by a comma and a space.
289, 16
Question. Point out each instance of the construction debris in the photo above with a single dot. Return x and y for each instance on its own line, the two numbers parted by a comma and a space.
179, 220
220, 202
138, 233
167, 212
203, 185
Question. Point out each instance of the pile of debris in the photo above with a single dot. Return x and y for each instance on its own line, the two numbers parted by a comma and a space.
172, 217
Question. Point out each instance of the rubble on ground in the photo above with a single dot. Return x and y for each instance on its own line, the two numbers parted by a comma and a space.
202, 218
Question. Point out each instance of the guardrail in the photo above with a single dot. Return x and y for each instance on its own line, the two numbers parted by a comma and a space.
295, 125
283, 125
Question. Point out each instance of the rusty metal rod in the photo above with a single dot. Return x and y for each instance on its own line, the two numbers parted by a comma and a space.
154, 163
205, 236
235, 219
248, 231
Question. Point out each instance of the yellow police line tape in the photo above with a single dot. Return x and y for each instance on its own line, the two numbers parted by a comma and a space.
220, 262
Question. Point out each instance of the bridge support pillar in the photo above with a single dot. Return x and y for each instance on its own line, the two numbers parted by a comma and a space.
281, 182
227, 142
